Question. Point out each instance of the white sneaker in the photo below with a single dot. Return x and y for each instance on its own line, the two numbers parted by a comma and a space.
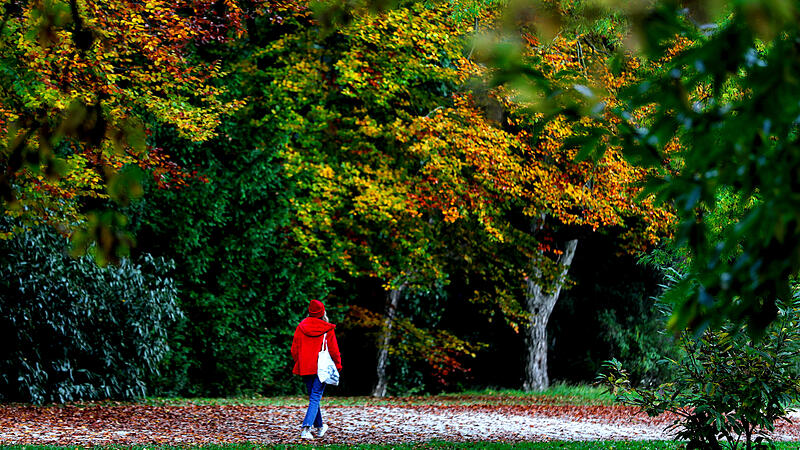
321, 430
306, 433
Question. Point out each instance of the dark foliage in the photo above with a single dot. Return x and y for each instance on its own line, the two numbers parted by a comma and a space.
611, 299
73, 330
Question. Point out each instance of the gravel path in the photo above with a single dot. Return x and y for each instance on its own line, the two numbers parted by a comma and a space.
139, 424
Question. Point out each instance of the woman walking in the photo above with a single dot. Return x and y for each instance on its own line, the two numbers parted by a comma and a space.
307, 342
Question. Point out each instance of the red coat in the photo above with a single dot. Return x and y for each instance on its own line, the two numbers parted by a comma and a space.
307, 343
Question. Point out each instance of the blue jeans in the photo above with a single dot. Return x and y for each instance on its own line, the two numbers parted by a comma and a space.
315, 388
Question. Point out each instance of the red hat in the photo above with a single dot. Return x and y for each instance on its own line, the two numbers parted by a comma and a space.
316, 309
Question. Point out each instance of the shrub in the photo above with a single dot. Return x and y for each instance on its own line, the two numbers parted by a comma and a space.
72, 330
729, 388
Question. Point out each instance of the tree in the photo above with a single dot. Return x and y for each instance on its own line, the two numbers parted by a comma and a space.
721, 90
345, 100
475, 165
78, 79
737, 137
565, 192
243, 282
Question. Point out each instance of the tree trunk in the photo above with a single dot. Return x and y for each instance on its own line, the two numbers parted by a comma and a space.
540, 305
392, 300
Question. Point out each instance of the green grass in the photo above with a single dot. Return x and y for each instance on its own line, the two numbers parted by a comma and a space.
569, 393
558, 393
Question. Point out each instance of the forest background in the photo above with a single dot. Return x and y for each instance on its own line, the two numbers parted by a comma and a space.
449, 178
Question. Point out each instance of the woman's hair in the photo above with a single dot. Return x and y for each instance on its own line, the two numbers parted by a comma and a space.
324, 316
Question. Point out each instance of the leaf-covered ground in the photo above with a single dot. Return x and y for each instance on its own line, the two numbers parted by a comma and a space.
101, 424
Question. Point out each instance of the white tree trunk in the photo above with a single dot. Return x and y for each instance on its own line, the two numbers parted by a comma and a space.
540, 305
392, 300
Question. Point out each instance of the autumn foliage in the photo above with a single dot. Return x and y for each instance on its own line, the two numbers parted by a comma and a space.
414, 164
82, 78
401, 156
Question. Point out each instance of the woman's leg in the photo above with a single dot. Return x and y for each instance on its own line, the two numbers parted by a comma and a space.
318, 417
315, 389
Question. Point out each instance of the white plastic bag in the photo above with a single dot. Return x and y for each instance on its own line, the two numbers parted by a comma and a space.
326, 369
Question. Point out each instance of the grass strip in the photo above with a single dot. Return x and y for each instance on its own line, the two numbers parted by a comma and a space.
557, 394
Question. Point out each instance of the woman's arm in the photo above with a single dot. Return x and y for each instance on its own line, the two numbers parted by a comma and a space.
296, 345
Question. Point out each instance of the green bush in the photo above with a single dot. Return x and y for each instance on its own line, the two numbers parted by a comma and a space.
729, 388
72, 330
